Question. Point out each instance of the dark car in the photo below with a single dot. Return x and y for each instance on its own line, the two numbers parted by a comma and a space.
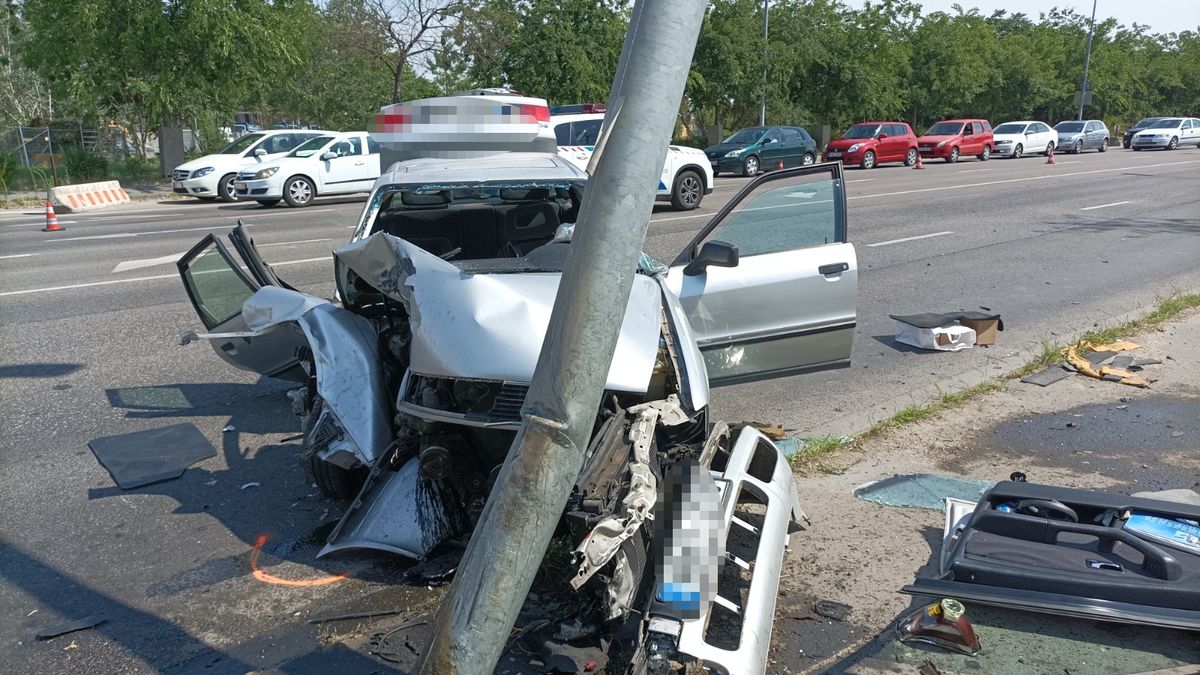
949, 139
1075, 136
868, 144
755, 149
1142, 124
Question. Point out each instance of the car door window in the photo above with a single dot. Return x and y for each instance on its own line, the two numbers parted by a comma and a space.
347, 147
791, 136
795, 212
373, 148
773, 136
586, 132
562, 133
215, 284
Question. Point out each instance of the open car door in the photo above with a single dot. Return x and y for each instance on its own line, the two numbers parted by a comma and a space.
217, 286
769, 285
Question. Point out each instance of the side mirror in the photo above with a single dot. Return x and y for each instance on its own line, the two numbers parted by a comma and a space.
260, 152
328, 155
882, 134
713, 253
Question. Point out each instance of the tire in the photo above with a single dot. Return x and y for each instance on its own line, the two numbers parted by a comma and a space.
868, 160
299, 191
225, 188
1049, 148
1103, 146
1174, 143
986, 154
808, 159
332, 480
1078, 147
911, 157
1137, 149
268, 202
953, 158
1017, 151
687, 191
751, 167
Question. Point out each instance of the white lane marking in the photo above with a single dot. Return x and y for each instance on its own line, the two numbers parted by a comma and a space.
919, 236
1019, 180
137, 279
126, 235
126, 265
40, 223
860, 180
284, 212
287, 243
974, 170
695, 215
1104, 206
16, 255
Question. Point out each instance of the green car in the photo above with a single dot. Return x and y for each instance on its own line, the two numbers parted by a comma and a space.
756, 149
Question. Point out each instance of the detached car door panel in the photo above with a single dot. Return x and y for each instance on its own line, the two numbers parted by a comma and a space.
787, 305
217, 286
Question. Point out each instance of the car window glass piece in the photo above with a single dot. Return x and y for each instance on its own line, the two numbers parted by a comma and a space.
943, 624
922, 490
151, 456
217, 288
782, 216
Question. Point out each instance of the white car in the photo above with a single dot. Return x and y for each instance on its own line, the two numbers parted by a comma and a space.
332, 164
686, 176
1014, 139
1168, 133
212, 176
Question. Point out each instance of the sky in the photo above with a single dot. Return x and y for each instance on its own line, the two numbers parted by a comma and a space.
1163, 16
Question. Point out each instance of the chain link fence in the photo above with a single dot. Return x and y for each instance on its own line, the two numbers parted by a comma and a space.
33, 146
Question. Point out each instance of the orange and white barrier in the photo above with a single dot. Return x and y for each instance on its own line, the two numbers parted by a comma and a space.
87, 196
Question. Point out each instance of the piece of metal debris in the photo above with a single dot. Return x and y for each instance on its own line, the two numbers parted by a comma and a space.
1122, 361
357, 615
1047, 376
832, 610
1096, 358
90, 621
251, 484
228, 428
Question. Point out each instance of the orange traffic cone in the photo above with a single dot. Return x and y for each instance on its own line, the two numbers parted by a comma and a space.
51, 219
918, 165
781, 164
1050, 155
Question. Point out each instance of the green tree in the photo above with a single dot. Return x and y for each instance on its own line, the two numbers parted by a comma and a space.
23, 95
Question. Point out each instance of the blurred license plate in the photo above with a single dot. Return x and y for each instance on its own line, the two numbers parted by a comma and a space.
178, 185
833, 153
239, 185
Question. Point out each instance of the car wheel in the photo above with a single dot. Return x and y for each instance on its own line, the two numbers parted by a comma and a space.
268, 202
225, 188
1049, 149
1137, 149
1173, 144
953, 155
868, 160
1078, 147
1017, 151
687, 191
986, 154
911, 157
1104, 146
332, 480
299, 191
808, 159
750, 168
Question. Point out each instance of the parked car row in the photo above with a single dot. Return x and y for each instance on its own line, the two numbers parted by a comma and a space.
1165, 133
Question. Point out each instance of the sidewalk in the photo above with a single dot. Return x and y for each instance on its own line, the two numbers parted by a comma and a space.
1078, 432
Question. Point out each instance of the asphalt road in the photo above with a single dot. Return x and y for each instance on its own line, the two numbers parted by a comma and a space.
89, 327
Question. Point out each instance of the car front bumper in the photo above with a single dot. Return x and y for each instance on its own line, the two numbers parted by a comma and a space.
1005, 149
205, 186
934, 151
843, 156
265, 188
729, 164
1150, 142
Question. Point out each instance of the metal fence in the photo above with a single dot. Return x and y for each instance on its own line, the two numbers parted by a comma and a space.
34, 145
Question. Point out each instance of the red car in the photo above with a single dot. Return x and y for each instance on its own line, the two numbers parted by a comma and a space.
870, 143
950, 139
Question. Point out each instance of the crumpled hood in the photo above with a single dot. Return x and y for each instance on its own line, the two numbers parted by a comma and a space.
491, 325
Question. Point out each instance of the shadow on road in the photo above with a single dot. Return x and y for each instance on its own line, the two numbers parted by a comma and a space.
39, 369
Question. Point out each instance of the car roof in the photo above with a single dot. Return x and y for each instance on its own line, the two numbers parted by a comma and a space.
878, 122
965, 119
274, 132
504, 166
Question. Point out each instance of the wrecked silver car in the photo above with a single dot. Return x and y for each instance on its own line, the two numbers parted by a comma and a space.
412, 389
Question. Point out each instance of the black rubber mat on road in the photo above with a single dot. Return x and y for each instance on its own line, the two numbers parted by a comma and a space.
153, 456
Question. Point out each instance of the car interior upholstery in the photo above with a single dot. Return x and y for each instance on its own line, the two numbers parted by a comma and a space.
510, 225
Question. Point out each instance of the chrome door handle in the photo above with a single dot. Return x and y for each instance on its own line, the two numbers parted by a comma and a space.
834, 268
